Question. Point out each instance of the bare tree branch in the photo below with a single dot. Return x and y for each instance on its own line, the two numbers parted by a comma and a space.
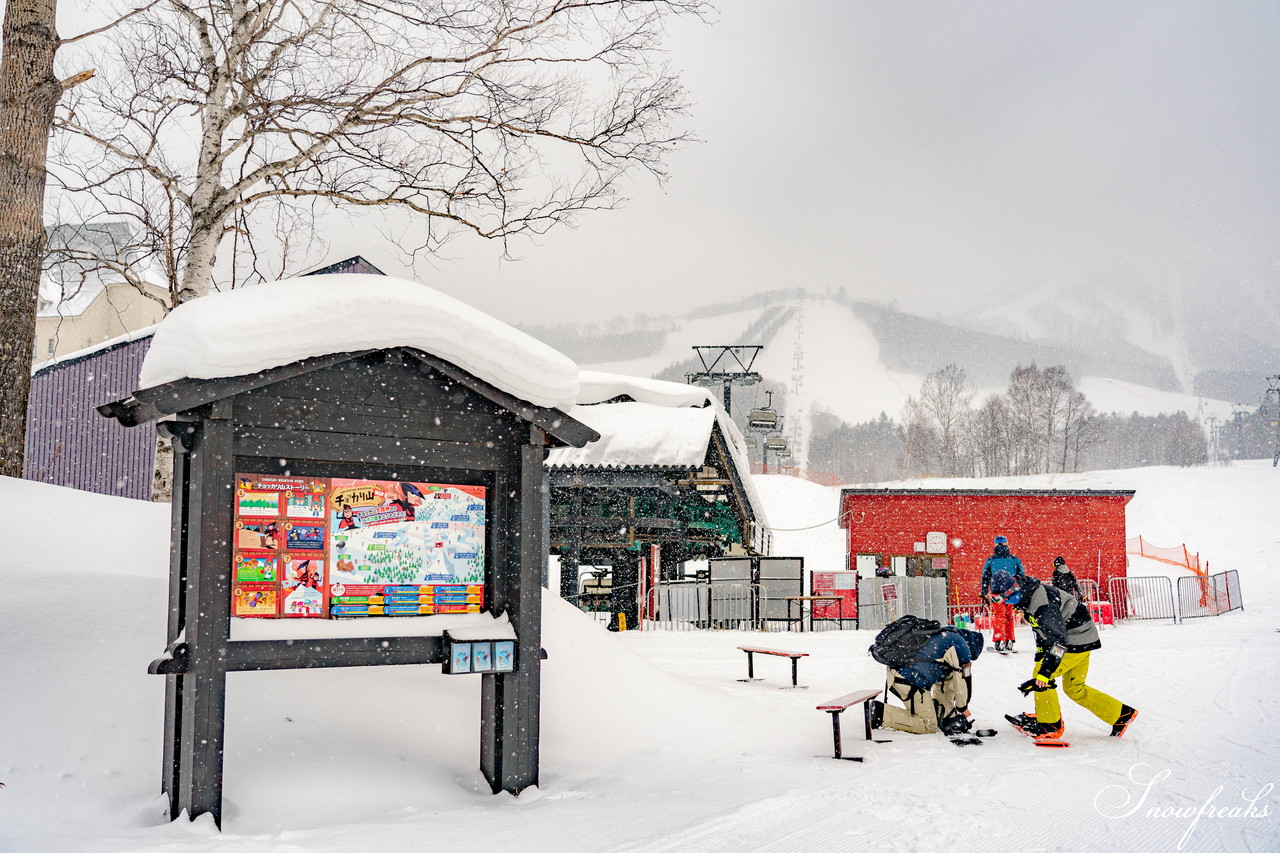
109, 26
498, 118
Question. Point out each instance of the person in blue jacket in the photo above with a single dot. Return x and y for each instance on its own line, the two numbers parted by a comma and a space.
1001, 614
935, 688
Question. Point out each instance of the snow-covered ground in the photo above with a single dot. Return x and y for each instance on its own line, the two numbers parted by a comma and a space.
649, 743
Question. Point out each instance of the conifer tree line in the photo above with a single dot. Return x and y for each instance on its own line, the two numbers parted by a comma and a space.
1040, 424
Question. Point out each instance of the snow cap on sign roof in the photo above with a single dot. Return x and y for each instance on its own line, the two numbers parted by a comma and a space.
242, 331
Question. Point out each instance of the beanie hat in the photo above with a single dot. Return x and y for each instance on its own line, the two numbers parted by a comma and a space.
1001, 582
1058, 561
1002, 540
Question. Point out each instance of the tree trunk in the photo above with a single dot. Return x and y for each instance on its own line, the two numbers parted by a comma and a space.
197, 272
28, 94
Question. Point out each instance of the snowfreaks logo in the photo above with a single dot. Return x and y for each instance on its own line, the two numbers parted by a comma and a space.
1118, 801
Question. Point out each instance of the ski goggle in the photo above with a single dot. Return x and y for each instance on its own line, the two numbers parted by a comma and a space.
1013, 596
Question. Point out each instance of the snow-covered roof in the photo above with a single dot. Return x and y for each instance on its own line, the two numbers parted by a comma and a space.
596, 387
243, 331
110, 343
663, 424
639, 434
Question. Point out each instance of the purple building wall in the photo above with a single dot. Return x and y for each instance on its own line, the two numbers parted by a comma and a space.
70, 444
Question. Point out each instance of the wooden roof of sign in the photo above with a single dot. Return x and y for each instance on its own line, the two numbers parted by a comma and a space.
149, 404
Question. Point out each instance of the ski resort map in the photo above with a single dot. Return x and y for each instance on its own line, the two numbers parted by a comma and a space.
397, 532
323, 548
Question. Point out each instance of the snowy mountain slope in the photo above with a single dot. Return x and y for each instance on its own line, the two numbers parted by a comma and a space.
1218, 341
857, 360
649, 742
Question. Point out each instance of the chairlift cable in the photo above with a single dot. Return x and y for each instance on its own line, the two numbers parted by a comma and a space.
798, 529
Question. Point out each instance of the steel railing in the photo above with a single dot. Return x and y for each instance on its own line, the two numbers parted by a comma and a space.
1142, 598
1089, 588
694, 605
1209, 596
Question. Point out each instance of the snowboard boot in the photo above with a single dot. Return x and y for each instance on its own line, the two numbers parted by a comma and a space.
1045, 731
875, 713
956, 724
1022, 721
1127, 716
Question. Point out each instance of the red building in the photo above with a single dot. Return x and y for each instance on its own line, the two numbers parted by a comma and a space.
951, 532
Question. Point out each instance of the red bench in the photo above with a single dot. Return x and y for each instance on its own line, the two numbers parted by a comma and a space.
753, 650
835, 707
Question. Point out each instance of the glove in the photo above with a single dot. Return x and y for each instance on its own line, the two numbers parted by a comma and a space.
1036, 685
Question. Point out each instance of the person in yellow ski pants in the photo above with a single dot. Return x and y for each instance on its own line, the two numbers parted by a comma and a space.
1065, 635
1071, 673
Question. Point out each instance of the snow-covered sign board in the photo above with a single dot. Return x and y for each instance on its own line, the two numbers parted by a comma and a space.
350, 446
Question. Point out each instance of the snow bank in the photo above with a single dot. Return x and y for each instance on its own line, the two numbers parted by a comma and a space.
256, 328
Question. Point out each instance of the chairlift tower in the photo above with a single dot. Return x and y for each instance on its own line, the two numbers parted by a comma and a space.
1214, 431
1273, 411
727, 366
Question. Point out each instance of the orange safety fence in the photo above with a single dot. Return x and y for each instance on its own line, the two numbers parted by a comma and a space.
1178, 556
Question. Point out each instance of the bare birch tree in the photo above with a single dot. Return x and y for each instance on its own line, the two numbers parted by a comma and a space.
920, 440
990, 434
946, 398
496, 117
1081, 429
1054, 395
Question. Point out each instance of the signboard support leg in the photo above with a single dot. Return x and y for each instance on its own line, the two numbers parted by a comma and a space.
509, 728
170, 778
200, 702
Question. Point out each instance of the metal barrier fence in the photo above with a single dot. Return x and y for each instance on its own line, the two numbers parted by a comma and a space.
923, 597
976, 616
694, 605
1142, 598
1209, 596
1089, 588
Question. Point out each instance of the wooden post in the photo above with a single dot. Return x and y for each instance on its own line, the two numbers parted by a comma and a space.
510, 706
171, 778
208, 593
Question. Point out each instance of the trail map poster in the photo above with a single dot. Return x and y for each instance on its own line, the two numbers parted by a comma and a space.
321, 547
397, 532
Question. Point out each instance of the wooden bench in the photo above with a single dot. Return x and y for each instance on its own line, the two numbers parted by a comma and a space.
835, 707
753, 650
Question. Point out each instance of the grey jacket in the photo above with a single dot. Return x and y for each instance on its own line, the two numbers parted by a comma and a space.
1062, 624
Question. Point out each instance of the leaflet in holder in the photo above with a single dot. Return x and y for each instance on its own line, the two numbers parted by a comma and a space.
483, 656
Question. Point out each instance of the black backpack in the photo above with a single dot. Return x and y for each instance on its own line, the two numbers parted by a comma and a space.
897, 644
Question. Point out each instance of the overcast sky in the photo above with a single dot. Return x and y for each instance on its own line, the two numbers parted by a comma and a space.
949, 155
946, 154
